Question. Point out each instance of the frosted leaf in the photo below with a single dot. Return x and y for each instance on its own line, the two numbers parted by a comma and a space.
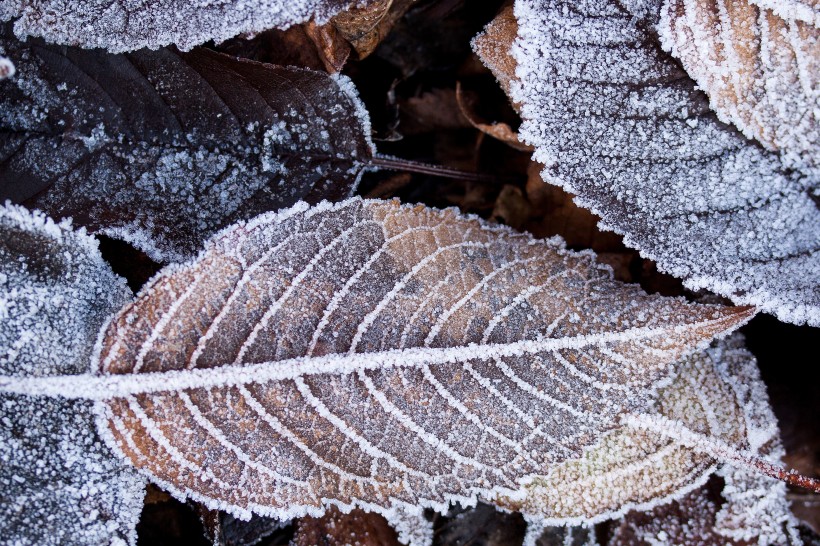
620, 125
376, 355
718, 393
759, 63
7, 68
754, 508
59, 484
162, 148
126, 25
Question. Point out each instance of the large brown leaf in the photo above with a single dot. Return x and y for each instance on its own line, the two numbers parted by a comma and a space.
379, 355
759, 62
163, 148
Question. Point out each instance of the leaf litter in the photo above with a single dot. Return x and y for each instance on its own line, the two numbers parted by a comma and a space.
183, 374
658, 536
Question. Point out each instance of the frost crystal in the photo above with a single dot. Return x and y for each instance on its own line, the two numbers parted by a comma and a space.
620, 125
7, 68
162, 148
126, 25
59, 484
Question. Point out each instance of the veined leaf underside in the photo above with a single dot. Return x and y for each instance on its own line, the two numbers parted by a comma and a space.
406, 356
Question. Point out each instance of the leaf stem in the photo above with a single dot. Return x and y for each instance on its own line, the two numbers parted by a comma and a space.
399, 164
718, 449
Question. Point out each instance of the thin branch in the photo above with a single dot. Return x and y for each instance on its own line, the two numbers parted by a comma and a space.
398, 164
718, 449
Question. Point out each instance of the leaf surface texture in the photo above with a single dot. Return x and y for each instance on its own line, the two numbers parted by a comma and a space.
127, 25
163, 148
383, 356
619, 124
59, 484
758, 63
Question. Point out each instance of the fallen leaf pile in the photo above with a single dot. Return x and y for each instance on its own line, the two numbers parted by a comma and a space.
319, 367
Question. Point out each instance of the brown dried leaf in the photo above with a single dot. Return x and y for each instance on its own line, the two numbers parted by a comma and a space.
338, 529
555, 213
431, 111
493, 47
365, 27
358, 30
498, 130
759, 62
379, 355
331, 48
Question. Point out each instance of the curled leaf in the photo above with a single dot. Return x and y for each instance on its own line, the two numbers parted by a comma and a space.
498, 130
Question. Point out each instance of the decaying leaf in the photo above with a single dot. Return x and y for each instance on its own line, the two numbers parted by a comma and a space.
346, 353
162, 148
759, 63
493, 47
128, 25
58, 483
480, 526
365, 27
620, 125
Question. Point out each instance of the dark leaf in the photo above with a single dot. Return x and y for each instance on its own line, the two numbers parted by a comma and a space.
162, 148
59, 484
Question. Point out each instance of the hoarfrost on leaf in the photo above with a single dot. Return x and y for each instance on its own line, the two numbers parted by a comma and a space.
59, 484
127, 25
620, 125
342, 354
162, 148
759, 65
